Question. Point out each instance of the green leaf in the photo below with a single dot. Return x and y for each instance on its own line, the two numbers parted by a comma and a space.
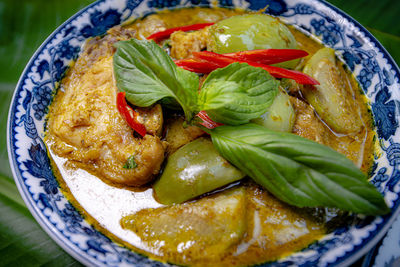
390, 42
379, 17
6, 90
237, 93
130, 163
24, 25
22, 241
147, 74
298, 171
9, 190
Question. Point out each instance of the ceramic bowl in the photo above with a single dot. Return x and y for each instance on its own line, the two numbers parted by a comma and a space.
387, 251
366, 58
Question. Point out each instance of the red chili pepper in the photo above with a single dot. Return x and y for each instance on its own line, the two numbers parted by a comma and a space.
223, 61
299, 77
207, 122
158, 36
217, 59
268, 56
196, 65
129, 114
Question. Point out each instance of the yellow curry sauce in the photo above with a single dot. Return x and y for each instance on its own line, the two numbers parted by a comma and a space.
87, 139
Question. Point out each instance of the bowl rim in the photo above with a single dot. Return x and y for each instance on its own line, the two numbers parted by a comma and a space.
366, 32
53, 232
396, 213
56, 235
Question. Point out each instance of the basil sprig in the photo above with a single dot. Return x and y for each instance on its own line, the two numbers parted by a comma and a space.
298, 171
237, 93
147, 74
231, 95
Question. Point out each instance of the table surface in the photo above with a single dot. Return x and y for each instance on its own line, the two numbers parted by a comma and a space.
24, 25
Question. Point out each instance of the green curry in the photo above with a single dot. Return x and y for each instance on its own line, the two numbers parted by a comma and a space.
280, 170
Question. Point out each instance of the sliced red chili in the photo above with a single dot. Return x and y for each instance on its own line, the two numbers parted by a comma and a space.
196, 65
129, 114
223, 61
161, 35
207, 121
268, 56
217, 59
299, 77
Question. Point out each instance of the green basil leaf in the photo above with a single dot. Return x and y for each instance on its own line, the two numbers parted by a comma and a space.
23, 242
147, 74
298, 171
237, 93
130, 163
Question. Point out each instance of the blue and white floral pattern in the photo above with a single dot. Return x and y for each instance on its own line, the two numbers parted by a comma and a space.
387, 252
373, 67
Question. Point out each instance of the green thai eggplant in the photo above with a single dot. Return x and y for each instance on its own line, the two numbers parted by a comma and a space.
333, 99
193, 170
280, 115
250, 32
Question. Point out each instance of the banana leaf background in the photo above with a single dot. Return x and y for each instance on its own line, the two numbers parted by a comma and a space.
24, 25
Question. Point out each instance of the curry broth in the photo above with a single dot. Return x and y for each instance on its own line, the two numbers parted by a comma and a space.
272, 229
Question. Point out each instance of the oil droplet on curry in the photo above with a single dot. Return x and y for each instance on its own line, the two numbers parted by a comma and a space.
238, 222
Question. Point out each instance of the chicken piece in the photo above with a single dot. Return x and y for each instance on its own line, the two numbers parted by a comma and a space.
177, 135
183, 44
307, 124
195, 232
100, 47
151, 24
152, 118
310, 126
86, 128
